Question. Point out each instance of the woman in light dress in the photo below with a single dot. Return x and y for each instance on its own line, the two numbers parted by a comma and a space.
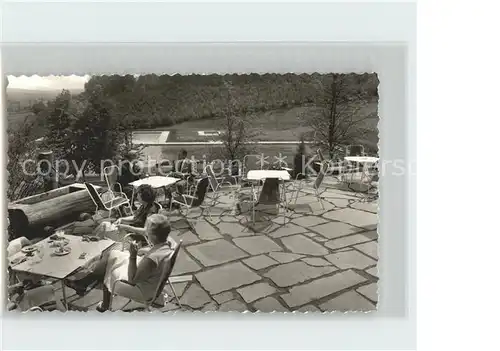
140, 272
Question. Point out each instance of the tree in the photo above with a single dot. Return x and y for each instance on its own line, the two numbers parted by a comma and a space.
339, 121
20, 148
237, 129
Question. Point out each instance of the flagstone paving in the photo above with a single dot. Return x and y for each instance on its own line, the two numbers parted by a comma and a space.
318, 260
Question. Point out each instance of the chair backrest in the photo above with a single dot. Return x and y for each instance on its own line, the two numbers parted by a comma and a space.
321, 175
168, 264
214, 184
201, 191
320, 155
94, 195
111, 176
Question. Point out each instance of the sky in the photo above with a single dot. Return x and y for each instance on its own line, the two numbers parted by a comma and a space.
47, 83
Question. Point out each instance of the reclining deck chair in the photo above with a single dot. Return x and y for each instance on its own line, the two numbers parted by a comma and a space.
188, 202
167, 266
115, 202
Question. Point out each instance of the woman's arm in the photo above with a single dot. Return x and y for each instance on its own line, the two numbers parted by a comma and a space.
129, 228
126, 220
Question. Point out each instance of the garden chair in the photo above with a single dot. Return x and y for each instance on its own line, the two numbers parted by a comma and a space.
221, 185
315, 185
115, 202
167, 266
196, 200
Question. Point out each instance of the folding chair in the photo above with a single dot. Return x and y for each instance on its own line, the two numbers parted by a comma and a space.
220, 185
167, 266
188, 202
315, 185
108, 205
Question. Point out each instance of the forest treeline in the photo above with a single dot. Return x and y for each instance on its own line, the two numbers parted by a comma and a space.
150, 101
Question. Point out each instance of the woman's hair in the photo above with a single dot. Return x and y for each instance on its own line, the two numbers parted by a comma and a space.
159, 226
147, 193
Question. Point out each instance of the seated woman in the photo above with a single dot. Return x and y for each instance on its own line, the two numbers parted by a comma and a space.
146, 196
143, 272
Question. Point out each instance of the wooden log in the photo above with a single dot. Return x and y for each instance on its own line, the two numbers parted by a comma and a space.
27, 216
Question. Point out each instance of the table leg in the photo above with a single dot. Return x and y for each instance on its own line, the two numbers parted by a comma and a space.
65, 300
269, 198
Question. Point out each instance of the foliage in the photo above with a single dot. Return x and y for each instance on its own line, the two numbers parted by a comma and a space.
20, 148
236, 128
339, 123
84, 132
151, 101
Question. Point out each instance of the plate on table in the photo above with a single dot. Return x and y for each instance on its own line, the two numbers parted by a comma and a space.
91, 238
60, 243
62, 251
28, 249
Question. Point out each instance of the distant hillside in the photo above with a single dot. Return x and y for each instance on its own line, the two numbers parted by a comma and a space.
151, 101
27, 96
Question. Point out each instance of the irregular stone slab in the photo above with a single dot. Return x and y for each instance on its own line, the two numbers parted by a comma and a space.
349, 301
350, 259
288, 229
256, 291
319, 288
373, 271
205, 231
279, 220
257, 244
308, 308
184, 264
211, 307
356, 218
227, 277
195, 297
316, 261
300, 208
229, 219
369, 248
269, 304
320, 239
170, 307
295, 272
346, 241
259, 262
179, 289
318, 209
310, 235
233, 306
186, 236
332, 230
216, 252
233, 229
340, 203
372, 234
366, 206
284, 257
223, 297
370, 291
302, 245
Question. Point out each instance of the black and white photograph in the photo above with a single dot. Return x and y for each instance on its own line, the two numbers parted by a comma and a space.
179, 193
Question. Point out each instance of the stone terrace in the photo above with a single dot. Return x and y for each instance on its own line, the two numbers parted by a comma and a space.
319, 260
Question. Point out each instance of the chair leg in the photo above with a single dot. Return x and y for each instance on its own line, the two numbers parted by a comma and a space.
175, 294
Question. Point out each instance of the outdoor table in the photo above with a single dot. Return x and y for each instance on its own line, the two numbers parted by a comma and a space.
270, 193
46, 264
155, 182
